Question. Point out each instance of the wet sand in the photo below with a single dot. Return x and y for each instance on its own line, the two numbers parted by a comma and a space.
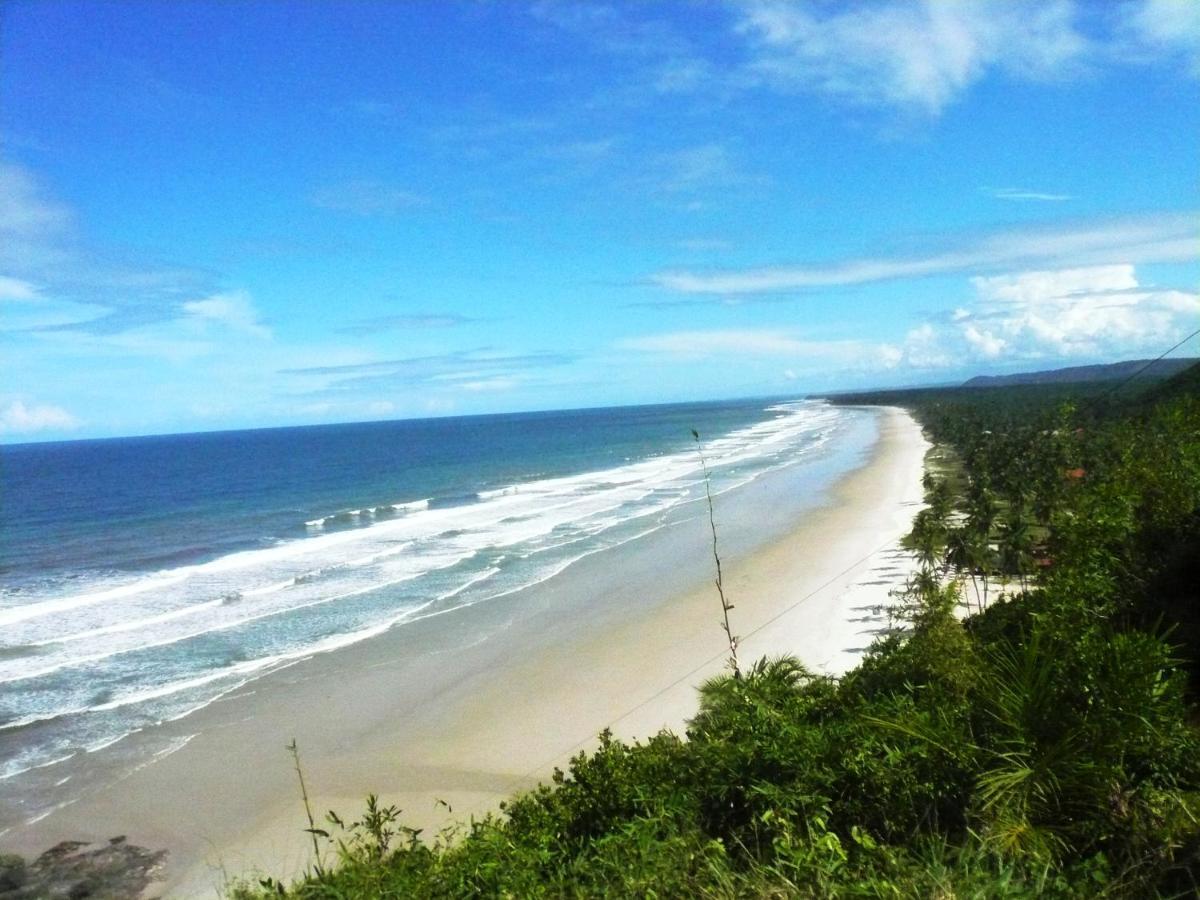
439, 712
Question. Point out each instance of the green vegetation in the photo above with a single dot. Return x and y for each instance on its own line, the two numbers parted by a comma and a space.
1043, 746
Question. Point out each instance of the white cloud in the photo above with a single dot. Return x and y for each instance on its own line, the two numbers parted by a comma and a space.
24, 210
1029, 288
1094, 311
232, 310
923, 349
1167, 27
17, 418
765, 343
914, 56
1162, 238
986, 345
32, 225
1024, 194
489, 384
40, 244
16, 289
755, 281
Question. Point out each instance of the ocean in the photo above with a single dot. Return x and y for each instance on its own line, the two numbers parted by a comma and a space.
143, 578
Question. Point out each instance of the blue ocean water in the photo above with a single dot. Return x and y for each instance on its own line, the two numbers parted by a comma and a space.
142, 578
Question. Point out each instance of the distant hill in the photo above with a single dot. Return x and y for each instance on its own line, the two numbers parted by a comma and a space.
1179, 384
1163, 368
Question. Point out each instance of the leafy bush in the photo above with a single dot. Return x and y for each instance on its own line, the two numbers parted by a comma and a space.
1045, 747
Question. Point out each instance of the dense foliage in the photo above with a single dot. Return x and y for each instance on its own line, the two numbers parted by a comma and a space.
1044, 745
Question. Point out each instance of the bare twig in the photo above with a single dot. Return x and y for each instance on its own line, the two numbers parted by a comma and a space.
726, 606
312, 829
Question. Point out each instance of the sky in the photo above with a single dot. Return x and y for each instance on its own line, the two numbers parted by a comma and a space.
227, 215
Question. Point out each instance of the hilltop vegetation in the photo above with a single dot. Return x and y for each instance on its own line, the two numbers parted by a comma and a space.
1043, 746
1144, 368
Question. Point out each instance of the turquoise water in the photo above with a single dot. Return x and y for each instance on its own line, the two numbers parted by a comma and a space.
144, 578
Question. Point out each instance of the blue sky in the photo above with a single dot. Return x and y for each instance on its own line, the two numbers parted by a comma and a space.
218, 215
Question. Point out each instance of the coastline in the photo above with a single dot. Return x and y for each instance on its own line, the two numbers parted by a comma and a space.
527, 697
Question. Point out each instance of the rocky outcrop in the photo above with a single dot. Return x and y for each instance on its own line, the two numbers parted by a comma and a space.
73, 870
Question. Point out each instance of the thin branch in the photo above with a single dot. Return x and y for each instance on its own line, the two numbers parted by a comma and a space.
726, 606
312, 829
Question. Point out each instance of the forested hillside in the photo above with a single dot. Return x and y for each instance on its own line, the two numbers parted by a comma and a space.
1028, 729
1143, 368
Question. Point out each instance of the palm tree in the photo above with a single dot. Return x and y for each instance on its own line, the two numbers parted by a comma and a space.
1016, 543
961, 555
926, 539
725, 695
981, 521
983, 560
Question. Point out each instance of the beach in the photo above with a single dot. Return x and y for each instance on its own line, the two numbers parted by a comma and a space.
445, 721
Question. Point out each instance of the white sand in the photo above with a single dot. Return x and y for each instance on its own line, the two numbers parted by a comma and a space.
422, 728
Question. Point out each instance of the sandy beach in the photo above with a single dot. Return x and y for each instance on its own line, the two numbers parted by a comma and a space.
433, 715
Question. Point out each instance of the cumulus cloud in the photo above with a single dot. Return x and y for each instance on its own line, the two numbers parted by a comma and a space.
17, 418
232, 310
1028, 288
923, 348
916, 56
1091, 311
984, 344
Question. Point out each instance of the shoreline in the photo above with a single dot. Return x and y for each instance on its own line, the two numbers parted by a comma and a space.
528, 695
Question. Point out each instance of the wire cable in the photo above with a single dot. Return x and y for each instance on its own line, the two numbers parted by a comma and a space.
517, 780
1158, 358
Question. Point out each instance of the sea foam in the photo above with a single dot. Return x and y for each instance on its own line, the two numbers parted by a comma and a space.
169, 642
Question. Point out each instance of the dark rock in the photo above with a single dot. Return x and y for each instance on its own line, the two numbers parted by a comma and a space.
12, 872
73, 870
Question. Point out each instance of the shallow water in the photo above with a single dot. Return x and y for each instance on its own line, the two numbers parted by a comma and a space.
167, 572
